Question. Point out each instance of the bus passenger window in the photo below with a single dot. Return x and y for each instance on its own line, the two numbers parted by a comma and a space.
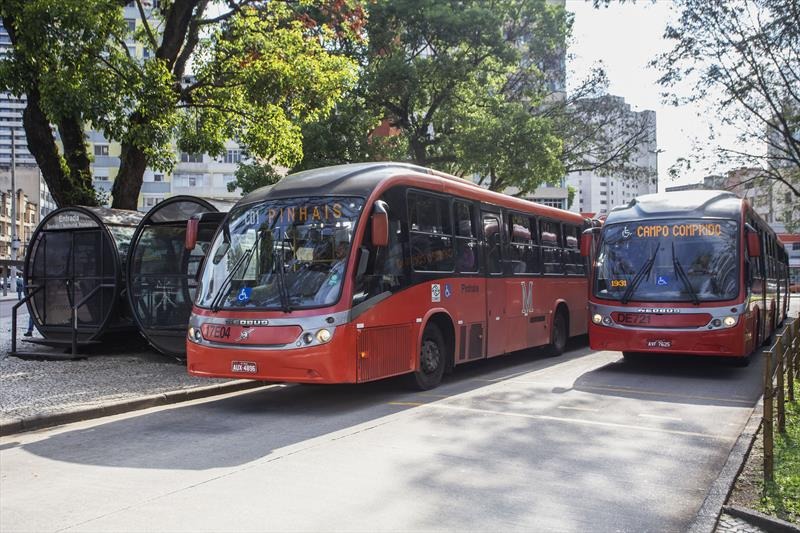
491, 234
430, 233
550, 238
523, 255
466, 241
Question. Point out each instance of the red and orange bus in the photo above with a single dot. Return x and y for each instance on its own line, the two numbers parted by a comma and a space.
359, 272
690, 272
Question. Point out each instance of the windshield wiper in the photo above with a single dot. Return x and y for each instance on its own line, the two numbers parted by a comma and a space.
216, 303
684, 278
281, 274
643, 273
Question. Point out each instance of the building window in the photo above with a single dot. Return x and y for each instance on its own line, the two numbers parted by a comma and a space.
131, 23
191, 158
101, 150
158, 177
233, 156
151, 201
189, 180
98, 177
796, 246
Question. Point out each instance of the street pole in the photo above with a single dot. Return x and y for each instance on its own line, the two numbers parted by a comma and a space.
14, 239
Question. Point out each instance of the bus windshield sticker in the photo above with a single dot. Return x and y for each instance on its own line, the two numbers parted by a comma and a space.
436, 292
244, 294
448, 290
662, 280
626, 233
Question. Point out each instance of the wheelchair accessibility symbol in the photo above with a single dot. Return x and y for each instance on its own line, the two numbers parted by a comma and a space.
244, 294
662, 280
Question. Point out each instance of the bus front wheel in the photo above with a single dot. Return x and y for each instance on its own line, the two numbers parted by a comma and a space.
432, 359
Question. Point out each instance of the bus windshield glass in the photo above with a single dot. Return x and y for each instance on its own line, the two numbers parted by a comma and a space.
668, 261
282, 254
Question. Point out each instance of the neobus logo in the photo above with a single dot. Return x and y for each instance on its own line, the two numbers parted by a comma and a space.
661, 310
237, 322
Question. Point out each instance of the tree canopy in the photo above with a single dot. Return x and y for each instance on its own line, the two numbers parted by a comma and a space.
743, 60
259, 70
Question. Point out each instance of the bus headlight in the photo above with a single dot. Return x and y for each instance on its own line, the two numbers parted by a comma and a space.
195, 335
607, 320
729, 321
308, 338
597, 318
323, 335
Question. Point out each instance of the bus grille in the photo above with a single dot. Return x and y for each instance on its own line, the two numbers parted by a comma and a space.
384, 351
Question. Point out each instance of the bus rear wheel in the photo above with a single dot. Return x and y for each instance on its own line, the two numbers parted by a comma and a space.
558, 340
432, 359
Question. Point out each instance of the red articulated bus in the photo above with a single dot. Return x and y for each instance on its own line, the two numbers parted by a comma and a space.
359, 272
690, 272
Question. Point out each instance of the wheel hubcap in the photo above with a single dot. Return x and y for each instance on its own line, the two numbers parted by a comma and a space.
429, 357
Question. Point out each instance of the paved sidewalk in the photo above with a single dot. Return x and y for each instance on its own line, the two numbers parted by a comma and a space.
45, 393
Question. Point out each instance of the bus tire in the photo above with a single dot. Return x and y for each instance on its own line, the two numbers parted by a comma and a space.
740, 362
432, 359
559, 334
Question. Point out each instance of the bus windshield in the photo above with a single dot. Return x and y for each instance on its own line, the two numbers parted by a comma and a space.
668, 261
282, 254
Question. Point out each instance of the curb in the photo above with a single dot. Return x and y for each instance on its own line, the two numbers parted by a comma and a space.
708, 515
765, 522
21, 425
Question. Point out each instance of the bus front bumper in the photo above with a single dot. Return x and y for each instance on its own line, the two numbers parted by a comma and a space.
333, 362
729, 342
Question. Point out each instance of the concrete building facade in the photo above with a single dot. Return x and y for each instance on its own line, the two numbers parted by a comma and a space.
597, 193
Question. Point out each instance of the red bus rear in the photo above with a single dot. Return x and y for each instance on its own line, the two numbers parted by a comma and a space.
690, 272
359, 272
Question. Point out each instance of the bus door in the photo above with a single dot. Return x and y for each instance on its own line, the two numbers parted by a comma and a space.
495, 284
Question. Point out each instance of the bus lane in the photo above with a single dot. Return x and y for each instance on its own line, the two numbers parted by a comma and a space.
585, 441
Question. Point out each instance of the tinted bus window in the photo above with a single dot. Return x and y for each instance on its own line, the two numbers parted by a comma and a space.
550, 239
466, 238
523, 254
430, 235
573, 261
492, 236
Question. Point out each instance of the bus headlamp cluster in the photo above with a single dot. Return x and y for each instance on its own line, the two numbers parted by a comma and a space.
727, 322
195, 335
322, 336
598, 319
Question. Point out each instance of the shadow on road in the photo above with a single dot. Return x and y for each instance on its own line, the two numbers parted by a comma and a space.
249, 426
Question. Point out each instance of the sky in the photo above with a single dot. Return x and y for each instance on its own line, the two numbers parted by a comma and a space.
625, 37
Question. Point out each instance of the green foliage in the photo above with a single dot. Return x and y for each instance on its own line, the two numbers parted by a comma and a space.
571, 192
260, 78
251, 176
457, 79
742, 59
782, 496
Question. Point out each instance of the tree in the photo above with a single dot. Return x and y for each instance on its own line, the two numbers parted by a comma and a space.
475, 88
452, 76
251, 176
52, 62
260, 69
743, 60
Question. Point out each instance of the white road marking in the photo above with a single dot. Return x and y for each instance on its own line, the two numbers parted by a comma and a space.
659, 417
438, 405
577, 408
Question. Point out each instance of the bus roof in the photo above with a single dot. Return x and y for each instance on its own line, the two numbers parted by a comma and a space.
360, 179
684, 204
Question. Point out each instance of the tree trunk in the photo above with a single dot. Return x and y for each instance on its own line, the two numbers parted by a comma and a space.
80, 174
42, 145
128, 182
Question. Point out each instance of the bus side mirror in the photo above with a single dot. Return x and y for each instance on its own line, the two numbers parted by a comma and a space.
586, 243
192, 226
753, 244
380, 224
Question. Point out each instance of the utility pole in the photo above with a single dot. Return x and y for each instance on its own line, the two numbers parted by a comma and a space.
14, 238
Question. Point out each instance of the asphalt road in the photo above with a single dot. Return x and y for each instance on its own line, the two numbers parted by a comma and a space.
584, 442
